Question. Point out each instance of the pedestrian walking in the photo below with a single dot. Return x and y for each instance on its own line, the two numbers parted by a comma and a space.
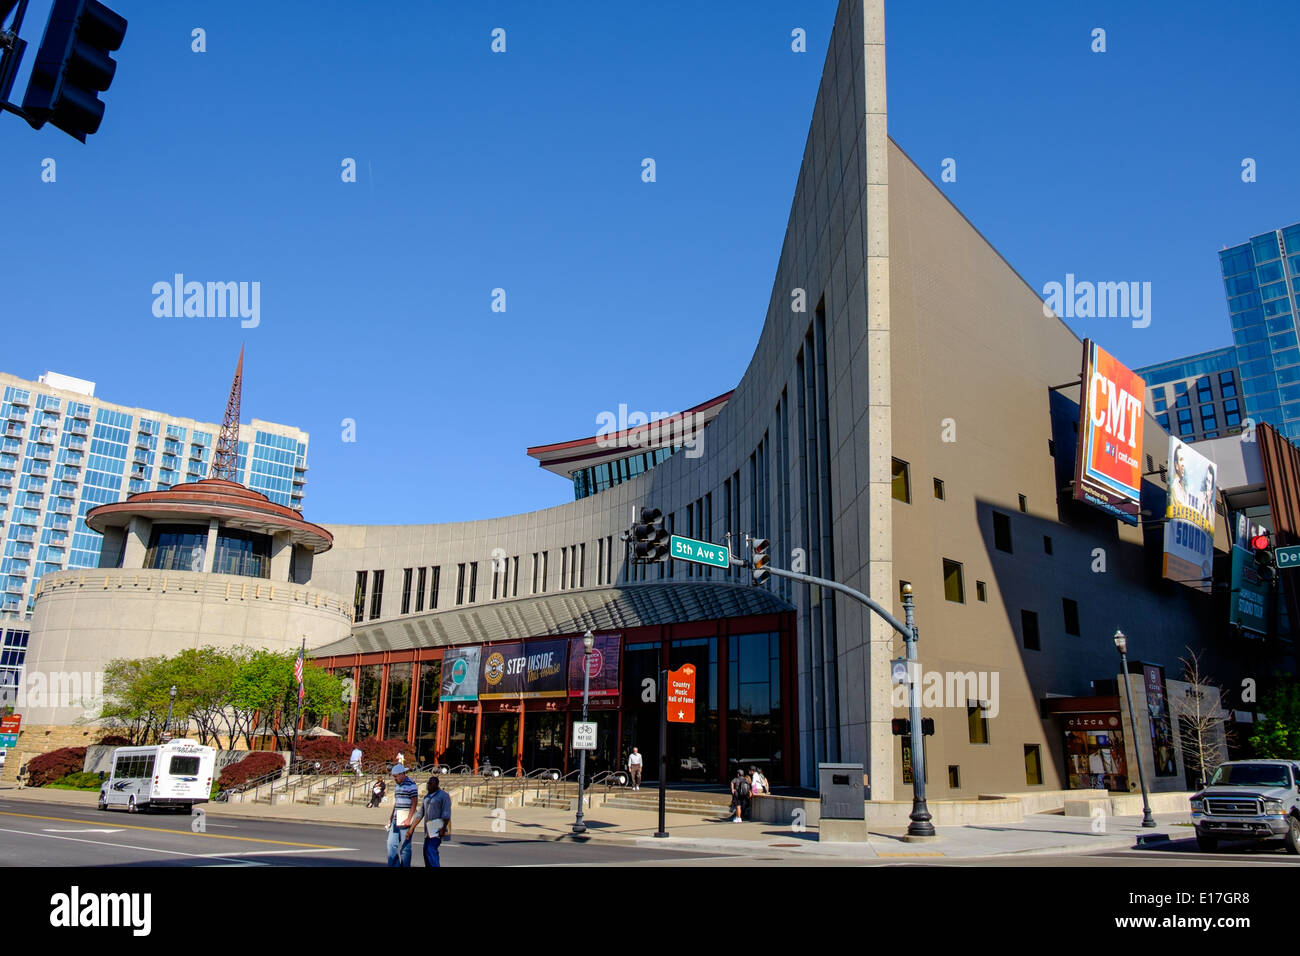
741, 789
22, 776
634, 764
758, 782
355, 760
406, 797
435, 811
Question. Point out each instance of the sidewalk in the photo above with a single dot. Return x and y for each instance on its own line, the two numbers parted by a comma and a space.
1037, 834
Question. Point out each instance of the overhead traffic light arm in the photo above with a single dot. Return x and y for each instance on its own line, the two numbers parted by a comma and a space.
11, 52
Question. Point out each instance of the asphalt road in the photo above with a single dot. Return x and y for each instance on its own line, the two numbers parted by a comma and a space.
51, 834
54, 835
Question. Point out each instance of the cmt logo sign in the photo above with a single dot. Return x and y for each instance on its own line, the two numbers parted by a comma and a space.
1109, 468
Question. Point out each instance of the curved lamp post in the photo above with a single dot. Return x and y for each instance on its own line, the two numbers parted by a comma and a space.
1121, 645
588, 642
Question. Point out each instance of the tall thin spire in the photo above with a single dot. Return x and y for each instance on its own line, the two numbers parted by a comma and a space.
225, 462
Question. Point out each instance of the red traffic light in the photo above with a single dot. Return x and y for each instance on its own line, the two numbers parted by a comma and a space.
1259, 542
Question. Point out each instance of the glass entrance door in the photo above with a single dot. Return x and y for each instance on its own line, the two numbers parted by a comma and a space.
499, 744
543, 741
460, 740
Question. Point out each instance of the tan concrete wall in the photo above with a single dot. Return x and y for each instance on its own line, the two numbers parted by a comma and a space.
971, 349
84, 619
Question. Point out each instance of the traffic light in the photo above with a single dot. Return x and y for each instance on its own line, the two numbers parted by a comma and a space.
759, 560
73, 66
1265, 566
649, 539
927, 726
901, 726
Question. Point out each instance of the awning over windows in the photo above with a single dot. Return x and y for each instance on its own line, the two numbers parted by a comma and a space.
570, 612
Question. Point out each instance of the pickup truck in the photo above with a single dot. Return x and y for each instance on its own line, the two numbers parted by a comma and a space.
1249, 800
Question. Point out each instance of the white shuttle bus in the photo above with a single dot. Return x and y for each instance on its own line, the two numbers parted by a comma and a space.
174, 774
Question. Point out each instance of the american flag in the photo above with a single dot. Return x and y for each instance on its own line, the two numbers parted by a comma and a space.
297, 672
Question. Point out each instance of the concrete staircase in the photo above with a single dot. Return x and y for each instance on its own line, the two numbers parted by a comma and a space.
700, 803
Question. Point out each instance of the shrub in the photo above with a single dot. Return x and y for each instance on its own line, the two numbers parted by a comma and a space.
85, 780
55, 765
114, 740
332, 752
258, 763
378, 756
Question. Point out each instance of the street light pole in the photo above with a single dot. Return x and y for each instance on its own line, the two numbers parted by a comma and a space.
171, 698
920, 828
1121, 644
588, 642
921, 825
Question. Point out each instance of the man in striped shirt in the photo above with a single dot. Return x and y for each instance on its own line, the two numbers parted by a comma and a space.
406, 798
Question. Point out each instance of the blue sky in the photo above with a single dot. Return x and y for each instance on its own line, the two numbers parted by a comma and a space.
522, 171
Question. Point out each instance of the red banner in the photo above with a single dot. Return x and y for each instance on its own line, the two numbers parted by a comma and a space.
681, 695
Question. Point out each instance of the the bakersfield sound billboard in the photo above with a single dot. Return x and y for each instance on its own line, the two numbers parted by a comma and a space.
1108, 469
1189, 517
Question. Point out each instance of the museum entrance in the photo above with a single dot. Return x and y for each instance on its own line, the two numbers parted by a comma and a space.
499, 741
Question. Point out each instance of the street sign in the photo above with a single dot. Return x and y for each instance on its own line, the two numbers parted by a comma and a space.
681, 695
584, 735
1287, 557
8, 741
699, 552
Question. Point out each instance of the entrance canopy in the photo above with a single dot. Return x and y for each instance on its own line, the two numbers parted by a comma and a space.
572, 612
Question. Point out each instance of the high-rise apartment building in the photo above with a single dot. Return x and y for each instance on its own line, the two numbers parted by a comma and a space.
1197, 397
63, 451
1262, 281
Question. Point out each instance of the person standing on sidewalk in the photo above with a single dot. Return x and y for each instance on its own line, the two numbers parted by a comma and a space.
406, 796
741, 789
355, 760
634, 763
435, 810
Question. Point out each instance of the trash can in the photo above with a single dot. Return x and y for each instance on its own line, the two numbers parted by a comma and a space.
843, 815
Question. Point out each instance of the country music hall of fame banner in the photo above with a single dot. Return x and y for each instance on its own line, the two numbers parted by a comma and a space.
1108, 469
1189, 517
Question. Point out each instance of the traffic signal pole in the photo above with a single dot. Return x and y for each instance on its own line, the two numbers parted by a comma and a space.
921, 826
13, 47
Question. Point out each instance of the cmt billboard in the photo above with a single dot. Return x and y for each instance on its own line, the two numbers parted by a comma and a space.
1189, 517
1108, 467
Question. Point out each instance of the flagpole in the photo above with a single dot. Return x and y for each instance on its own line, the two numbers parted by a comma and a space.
293, 752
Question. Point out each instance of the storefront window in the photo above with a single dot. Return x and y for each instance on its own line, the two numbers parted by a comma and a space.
338, 724
754, 716
693, 748
461, 727
398, 704
426, 718
368, 701
641, 717
1094, 753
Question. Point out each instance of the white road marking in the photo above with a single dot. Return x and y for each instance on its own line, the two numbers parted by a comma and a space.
150, 849
51, 830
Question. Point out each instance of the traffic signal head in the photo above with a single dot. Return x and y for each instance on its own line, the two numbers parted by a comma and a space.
760, 559
927, 726
901, 726
1265, 565
73, 66
649, 538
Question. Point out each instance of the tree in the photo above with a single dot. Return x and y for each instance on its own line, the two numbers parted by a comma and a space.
1277, 733
1201, 722
264, 687
135, 696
